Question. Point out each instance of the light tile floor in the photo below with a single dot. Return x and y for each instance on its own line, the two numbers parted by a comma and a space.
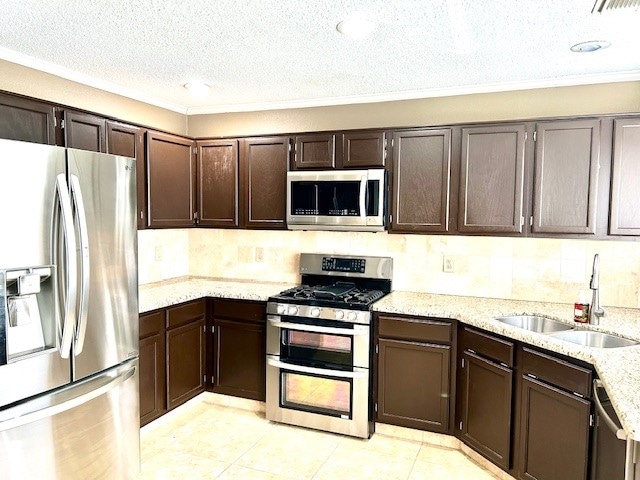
205, 440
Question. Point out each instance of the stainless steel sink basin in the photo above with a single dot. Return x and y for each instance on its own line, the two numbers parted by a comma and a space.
535, 324
594, 339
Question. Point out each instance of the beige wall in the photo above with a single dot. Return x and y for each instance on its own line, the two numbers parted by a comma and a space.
621, 97
543, 269
33, 83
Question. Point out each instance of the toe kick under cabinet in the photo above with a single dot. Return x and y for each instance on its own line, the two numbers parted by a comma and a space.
414, 362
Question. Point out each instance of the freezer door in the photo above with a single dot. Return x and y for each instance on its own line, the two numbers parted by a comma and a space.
86, 430
28, 175
104, 198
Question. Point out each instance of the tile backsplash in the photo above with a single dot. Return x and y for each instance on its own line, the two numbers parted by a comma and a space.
556, 270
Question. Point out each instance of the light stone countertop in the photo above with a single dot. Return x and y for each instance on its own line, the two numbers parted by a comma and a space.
618, 368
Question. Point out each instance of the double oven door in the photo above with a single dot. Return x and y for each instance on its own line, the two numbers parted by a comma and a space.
318, 374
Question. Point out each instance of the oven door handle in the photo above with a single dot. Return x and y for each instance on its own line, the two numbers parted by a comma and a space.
303, 327
357, 373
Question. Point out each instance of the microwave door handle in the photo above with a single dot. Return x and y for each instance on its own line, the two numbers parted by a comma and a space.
69, 291
81, 216
363, 198
273, 320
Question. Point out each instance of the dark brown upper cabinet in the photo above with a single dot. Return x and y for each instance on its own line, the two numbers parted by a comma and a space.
315, 151
492, 179
566, 177
84, 131
128, 140
421, 180
363, 149
171, 167
263, 164
217, 183
625, 185
26, 120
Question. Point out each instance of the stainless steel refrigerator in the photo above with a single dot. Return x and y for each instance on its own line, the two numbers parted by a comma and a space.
69, 403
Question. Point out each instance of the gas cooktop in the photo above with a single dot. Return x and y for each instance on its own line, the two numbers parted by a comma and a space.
337, 295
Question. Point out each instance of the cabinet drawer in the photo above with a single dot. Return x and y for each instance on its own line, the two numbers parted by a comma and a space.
488, 346
241, 310
185, 313
425, 329
557, 372
151, 324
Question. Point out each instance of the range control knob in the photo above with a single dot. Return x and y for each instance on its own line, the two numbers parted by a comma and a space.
280, 309
339, 314
314, 312
351, 316
292, 310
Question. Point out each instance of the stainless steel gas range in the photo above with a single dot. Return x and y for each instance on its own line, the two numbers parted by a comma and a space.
319, 344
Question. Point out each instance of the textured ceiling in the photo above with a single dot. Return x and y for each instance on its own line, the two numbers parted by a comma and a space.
261, 54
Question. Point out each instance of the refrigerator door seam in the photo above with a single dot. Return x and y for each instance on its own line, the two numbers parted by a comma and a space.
78, 202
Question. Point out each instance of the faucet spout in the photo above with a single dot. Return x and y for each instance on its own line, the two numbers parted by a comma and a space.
596, 311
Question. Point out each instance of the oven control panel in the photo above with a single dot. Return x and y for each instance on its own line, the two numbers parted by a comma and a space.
351, 265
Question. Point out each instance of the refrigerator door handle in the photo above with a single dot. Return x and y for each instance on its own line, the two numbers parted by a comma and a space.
78, 203
65, 399
68, 267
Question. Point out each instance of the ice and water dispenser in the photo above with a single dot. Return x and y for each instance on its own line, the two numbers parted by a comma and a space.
27, 312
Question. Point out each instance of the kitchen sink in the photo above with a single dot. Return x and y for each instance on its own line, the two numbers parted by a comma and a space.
594, 339
534, 323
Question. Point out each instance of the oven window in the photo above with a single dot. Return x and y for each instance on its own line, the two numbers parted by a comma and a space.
310, 393
317, 349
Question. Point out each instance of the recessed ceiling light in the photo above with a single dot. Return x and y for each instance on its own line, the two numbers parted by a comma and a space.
355, 27
197, 88
592, 46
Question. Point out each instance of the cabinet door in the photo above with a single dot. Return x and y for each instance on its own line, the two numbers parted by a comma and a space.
85, 131
492, 179
218, 183
363, 149
315, 151
264, 163
566, 176
625, 201
26, 120
239, 365
421, 185
413, 384
554, 433
171, 172
185, 362
128, 140
486, 407
152, 378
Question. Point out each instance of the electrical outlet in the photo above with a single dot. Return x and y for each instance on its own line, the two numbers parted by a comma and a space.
447, 264
159, 254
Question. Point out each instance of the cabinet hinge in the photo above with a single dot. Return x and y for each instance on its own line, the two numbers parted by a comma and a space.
141, 214
591, 421
522, 220
204, 379
535, 135
376, 348
62, 125
460, 425
212, 379
289, 147
531, 221
195, 150
376, 407
526, 135
462, 363
196, 218
213, 329
204, 329
392, 142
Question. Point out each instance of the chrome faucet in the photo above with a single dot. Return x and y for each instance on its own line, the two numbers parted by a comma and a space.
596, 311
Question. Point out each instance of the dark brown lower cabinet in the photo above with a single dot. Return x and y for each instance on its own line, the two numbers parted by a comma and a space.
413, 384
152, 367
486, 411
554, 433
239, 348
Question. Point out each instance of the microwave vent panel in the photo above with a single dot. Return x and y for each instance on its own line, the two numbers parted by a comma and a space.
602, 6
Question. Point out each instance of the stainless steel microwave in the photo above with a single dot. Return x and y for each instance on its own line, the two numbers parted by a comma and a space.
337, 200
